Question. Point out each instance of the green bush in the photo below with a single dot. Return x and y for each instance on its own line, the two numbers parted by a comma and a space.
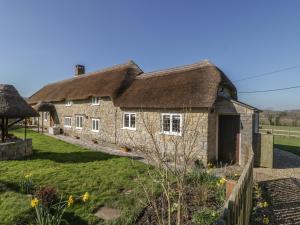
205, 217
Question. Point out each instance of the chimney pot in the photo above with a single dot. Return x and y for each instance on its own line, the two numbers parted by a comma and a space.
79, 69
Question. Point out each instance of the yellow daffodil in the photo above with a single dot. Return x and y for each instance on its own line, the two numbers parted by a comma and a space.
70, 201
265, 204
85, 197
209, 165
266, 220
236, 175
34, 202
222, 181
260, 205
28, 175
208, 171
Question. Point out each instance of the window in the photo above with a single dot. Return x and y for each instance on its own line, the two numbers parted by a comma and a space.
78, 122
95, 125
68, 102
95, 101
129, 121
45, 116
67, 122
171, 124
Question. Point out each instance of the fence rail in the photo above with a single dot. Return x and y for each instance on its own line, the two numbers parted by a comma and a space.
237, 209
286, 133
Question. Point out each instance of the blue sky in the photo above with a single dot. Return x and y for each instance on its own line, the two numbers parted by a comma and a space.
41, 41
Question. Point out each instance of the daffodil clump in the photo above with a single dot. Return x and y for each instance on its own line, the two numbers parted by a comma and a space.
221, 182
26, 184
53, 214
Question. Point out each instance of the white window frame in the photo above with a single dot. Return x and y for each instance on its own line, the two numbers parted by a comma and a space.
171, 132
95, 100
70, 118
68, 102
97, 120
130, 114
76, 125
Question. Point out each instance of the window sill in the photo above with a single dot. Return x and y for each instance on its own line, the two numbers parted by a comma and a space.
95, 131
128, 128
171, 133
67, 126
95, 104
78, 128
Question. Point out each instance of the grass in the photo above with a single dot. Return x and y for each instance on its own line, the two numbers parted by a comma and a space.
281, 127
288, 144
72, 170
291, 144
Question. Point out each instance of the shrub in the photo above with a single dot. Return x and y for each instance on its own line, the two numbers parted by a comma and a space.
205, 217
47, 196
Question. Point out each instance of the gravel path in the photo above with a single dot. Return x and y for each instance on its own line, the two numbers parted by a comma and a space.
282, 185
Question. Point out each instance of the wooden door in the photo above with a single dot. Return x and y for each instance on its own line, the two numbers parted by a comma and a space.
228, 140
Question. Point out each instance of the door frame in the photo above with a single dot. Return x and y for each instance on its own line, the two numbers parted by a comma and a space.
239, 160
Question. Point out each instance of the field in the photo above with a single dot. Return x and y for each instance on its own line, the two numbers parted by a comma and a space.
291, 144
110, 180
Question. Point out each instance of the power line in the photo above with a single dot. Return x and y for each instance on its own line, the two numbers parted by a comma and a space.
268, 73
270, 90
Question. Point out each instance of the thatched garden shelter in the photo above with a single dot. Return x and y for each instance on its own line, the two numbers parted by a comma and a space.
13, 109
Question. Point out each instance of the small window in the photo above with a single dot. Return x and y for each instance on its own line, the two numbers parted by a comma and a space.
45, 116
95, 101
78, 122
68, 102
95, 125
129, 121
67, 122
171, 124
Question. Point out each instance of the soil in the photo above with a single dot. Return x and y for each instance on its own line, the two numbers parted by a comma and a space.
149, 217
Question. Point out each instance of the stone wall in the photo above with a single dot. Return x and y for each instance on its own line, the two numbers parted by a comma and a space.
112, 131
15, 150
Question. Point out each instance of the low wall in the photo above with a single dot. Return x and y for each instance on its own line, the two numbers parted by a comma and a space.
15, 150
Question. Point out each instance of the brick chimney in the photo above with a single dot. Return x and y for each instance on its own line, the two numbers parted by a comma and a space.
79, 69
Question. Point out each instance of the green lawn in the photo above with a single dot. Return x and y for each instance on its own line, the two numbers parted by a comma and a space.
288, 144
291, 144
110, 180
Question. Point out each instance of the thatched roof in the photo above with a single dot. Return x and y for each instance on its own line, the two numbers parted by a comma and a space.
109, 82
194, 85
12, 105
44, 107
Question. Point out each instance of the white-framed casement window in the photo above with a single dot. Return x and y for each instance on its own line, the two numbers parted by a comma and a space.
95, 125
68, 102
78, 122
68, 121
171, 123
129, 121
95, 101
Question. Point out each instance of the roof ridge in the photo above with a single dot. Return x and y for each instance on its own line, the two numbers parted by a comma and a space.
188, 67
106, 69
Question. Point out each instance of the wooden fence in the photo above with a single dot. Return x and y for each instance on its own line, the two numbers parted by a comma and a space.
285, 133
238, 207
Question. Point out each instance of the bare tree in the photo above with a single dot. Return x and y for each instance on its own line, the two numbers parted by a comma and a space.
173, 157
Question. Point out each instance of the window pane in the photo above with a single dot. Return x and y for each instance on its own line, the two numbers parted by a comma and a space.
132, 121
126, 120
176, 124
166, 123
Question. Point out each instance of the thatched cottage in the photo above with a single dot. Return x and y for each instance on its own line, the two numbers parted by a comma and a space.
111, 105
